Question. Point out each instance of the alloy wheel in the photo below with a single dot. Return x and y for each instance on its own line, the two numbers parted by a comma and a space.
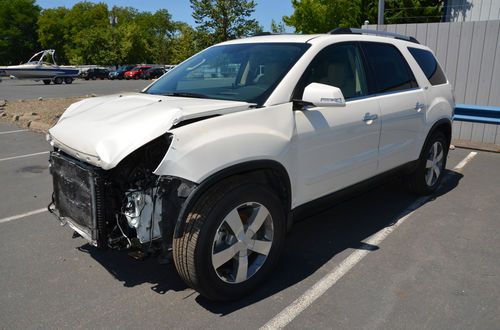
242, 242
434, 163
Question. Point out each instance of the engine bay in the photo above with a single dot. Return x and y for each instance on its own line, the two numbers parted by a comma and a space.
127, 207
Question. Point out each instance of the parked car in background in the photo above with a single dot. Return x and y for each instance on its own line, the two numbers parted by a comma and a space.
95, 73
153, 73
136, 72
118, 74
169, 67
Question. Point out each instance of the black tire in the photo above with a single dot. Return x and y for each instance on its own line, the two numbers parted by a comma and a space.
58, 80
68, 80
417, 181
193, 251
46, 82
94, 77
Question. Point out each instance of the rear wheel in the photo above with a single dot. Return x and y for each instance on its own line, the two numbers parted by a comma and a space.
232, 239
431, 165
58, 80
46, 82
68, 80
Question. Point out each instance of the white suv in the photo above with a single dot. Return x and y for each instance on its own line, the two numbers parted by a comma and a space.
210, 164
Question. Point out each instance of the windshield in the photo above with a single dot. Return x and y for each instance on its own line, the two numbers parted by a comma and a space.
240, 72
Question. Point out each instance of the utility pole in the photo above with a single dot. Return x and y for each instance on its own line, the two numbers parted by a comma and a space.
381, 4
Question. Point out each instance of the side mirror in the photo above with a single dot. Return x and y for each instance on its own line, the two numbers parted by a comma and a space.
322, 95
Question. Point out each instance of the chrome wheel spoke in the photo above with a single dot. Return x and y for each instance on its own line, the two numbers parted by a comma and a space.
259, 216
220, 258
429, 164
261, 247
439, 156
437, 171
234, 221
428, 176
434, 150
242, 271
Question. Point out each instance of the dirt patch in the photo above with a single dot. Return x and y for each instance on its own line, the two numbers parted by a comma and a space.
42, 113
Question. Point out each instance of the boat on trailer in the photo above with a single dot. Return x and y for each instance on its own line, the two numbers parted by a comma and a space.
42, 66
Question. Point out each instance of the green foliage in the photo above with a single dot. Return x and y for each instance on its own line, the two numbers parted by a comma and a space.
89, 33
320, 16
277, 27
18, 38
186, 43
52, 29
413, 11
221, 20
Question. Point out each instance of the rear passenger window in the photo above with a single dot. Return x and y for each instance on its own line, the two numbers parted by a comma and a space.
390, 70
429, 66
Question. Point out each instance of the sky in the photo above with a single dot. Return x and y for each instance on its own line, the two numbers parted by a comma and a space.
265, 11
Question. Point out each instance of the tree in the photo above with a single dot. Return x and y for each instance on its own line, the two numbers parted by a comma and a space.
52, 31
277, 27
159, 30
185, 43
18, 37
320, 16
413, 11
223, 20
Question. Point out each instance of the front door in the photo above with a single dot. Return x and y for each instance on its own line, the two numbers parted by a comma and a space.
336, 146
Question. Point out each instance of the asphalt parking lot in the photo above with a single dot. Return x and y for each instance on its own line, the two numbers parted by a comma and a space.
12, 89
384, 259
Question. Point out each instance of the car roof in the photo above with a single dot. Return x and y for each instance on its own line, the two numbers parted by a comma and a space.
320, 38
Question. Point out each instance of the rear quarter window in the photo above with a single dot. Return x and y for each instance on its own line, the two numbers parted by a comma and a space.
429, 65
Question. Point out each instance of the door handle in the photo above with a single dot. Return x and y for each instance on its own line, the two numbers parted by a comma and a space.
369, 118
419, 106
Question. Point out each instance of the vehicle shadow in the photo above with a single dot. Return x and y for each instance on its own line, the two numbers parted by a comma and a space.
134, 272
342, 227
314, 241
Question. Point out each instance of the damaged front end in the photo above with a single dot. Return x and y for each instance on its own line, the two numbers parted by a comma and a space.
124, 207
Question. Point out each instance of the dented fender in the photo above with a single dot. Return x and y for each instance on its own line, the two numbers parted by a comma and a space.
201, 149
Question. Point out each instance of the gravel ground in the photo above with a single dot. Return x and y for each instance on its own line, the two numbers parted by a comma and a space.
39, 114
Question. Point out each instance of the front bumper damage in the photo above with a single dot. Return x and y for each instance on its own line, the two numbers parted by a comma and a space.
110, 214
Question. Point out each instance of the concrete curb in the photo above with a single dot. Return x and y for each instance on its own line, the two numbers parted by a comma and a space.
476, 145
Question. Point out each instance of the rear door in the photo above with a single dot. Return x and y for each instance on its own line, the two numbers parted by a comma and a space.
402, 104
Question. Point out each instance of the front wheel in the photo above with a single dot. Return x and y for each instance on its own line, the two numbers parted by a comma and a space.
431, 165
68, 80
232, 239
58, 80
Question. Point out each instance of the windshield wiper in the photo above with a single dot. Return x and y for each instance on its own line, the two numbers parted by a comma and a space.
185, 94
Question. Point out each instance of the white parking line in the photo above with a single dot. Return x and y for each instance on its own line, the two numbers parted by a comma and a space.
16, 131
464, 161
320, 287
23, 215
24, 156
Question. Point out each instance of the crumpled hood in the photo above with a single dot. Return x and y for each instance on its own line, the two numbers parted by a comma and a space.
104, 130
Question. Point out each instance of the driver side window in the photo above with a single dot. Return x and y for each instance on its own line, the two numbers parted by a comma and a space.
337, 65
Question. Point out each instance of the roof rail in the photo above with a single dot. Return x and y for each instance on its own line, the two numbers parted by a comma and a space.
374, 32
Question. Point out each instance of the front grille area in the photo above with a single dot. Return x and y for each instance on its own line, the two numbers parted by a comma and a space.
79, 196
